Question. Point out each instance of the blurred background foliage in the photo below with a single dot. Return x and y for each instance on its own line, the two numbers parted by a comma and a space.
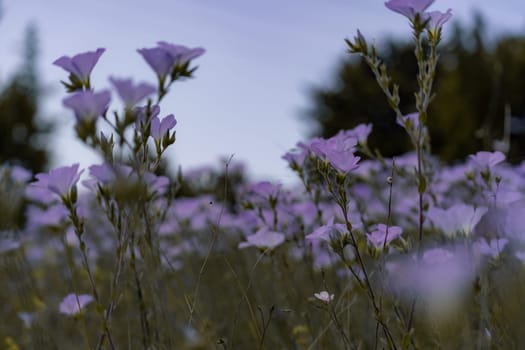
22, 132
480, 87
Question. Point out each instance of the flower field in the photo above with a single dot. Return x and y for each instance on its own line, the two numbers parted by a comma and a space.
364, 252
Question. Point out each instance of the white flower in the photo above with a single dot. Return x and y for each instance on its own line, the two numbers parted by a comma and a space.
324, 296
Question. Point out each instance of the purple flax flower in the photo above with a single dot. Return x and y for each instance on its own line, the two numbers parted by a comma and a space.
378, 237
295, 158
159, 60
107, 175
409, 8
246, 222
484, 160
338, 150
341, 142
263, 239
129, 93
180, 53
16, 173
53, 216
493, 249
88, 105
163, 58
509, 220
440, 278
156, 185
141, 113
265, 190
344, 162
306, 211
73, 304
411, 123
437, 256
328, 231
436, 19
81, 65
160, 128
461, 218
360, 132
59, 181
185, 208
322, 257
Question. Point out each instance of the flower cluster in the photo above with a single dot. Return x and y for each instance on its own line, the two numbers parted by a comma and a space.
415, 11
169, 60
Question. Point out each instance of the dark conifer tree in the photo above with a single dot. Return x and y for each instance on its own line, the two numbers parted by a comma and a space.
22, 132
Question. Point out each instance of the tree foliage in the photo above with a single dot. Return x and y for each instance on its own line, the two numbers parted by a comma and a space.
22, 132
479, 88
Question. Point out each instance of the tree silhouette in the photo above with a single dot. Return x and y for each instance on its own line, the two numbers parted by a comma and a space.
22, 133
478, 91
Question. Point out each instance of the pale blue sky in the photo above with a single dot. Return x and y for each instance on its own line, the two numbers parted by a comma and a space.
251, 86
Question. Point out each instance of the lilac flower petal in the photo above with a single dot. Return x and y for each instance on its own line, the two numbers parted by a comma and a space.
440, 279
437, 256
167, 123
80, 65
409, 8
295, 157
27, 318
338, 150
53, 216
344, 162
88, 105
342, 142
460, 217
436, 19
159, 128
180, 53
40, 195
265, 189
141, 113
361, 132
326, 232
378, 236
70, 304
484, 160
59, 180
156, 184
103, 173
263, 239
159, 60
130, 93
493, 249
107, 174
20, 174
